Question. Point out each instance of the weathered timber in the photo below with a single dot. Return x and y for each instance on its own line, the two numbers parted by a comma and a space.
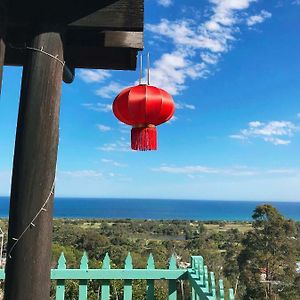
110, 14
2, 37
88, 30
124, 39
78, 56
28, 269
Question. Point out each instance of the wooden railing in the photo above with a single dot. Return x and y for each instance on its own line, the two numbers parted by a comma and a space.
203, 286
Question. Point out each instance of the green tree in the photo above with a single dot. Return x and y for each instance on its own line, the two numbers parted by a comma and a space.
268, 260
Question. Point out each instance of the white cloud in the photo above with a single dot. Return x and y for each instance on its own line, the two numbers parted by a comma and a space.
165, 3
209, 58
275, 132
199, 169
207, 41
277, 141
119, 146
100, 107
192, 171
181, 105
103, 128
112, 162
90, 76
186, 169
172, 69
111, 90
260, 18
283, 171
81, 173
296, 2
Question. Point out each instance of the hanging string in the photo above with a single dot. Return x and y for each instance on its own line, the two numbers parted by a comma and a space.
141, 68
148, 68
31, 223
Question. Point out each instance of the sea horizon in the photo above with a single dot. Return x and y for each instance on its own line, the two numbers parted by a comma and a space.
160, 209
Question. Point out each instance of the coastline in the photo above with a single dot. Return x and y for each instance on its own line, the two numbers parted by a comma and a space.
150, 209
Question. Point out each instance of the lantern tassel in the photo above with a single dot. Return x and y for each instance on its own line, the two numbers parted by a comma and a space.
144, 138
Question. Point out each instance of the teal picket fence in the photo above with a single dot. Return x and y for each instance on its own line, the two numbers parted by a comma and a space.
202, 284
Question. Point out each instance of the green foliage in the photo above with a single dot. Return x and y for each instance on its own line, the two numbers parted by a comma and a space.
268, 260
235, 251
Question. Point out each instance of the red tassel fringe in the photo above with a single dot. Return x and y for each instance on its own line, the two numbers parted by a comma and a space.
143, 139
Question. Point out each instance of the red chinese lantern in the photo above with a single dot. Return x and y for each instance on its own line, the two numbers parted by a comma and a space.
143, 107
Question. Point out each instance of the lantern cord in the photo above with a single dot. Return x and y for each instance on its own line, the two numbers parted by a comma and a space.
39, 50
148, 68
31, 223
141, 68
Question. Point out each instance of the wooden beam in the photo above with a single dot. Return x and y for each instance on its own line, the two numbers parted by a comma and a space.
124, 39
121, 14
90, 27
92, 14
28, 268
80, 56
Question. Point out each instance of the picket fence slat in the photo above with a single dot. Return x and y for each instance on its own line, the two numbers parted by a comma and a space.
231, 294
172, 283
83, 283
221, 289
203, 286
150, 282
128, 282
105, 288
60, 284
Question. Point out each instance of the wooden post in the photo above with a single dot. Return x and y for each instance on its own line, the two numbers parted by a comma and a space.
28, 268
2, 36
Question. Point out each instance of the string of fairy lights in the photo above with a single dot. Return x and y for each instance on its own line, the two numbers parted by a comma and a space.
40, 50
43, 208
31, 224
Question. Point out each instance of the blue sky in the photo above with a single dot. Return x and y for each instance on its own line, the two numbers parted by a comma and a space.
233, 68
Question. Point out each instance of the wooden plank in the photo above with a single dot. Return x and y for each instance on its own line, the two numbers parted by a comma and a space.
105, 287
196, 285
124, 39
128, 282
34, 172
206, 284
150, 282
60, 284
90, 274
172, 283
105, 290
83, 283
101, 58
79, 56
221, 289
212, 285
142, 274
109, 14
85, 24
117, 14
230, 294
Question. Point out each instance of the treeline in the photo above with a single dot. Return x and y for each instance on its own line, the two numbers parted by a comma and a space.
258, 259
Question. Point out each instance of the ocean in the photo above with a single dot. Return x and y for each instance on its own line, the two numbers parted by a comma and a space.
159, 209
